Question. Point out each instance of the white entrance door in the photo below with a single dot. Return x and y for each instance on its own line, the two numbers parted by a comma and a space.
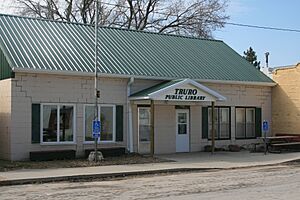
182, 131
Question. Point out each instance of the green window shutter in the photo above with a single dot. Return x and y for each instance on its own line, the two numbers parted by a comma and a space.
119, 123
204, 122
35, 123
5, 69
258, 122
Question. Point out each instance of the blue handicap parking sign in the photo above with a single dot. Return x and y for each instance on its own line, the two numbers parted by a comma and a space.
265, 126
96, 128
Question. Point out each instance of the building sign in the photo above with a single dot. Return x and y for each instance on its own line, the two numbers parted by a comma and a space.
185, 94
187, 91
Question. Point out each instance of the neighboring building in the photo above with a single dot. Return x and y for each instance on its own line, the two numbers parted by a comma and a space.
286, 100
267, 71
47, 90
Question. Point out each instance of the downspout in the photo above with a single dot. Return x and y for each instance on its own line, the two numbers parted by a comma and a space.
129, 118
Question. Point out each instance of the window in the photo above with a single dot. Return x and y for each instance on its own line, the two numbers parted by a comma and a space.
144, 124
221, 122
245, 123
182, 120
107, 119
57, 123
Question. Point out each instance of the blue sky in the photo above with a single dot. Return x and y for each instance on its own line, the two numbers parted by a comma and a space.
284, 47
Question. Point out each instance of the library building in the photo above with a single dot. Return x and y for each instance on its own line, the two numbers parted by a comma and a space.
158, 93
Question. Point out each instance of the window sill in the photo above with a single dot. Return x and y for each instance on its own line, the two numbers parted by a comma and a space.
57, 143
220, 139
253, 138
145, 142
101, 142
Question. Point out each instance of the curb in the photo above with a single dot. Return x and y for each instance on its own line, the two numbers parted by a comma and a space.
103, 176
111, 176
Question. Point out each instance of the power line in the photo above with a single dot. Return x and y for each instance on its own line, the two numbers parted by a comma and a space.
263, 27
229, 23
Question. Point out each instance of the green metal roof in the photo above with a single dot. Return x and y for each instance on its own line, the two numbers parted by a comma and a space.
5, 70
154, 88
44, 45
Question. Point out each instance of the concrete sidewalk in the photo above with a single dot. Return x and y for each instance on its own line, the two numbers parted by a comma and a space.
183, 162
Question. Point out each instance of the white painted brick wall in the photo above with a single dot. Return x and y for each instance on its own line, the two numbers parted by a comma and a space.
33, 88
5, 118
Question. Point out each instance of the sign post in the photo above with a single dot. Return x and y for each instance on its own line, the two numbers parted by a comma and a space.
265, 129
97, 92
96, 134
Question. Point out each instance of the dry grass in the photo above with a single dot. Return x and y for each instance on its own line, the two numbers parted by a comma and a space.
120, 160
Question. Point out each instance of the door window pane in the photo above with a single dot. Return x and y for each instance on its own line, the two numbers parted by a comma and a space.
66, 123
182, 129
49, 123
107, 123
144, 124
182, 117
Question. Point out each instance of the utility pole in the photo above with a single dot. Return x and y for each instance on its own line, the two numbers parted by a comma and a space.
97, 93
213, 127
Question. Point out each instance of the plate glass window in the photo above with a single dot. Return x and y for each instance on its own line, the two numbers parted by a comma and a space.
58, 123
240, 122
245, 123
221, 122
89, 117
107, 116
107, 123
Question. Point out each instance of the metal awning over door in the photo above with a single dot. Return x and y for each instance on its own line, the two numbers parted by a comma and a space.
185, 90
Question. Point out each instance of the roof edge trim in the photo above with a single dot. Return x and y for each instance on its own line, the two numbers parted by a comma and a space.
283, 68
92, 74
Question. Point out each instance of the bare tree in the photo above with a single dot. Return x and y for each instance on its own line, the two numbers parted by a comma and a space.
182, 17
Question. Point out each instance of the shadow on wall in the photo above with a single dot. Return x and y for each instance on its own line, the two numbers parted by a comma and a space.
286, 101
4, 135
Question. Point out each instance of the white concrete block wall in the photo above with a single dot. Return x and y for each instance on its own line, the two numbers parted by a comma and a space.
244, 96
164, 129
195, 128
5, 118
237, 95
41, 88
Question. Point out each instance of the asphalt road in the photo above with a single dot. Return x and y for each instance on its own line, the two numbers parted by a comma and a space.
277, 182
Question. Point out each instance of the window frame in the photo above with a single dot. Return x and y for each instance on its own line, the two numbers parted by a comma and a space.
245, 127
218, 132
138, 124
58, 105
99, 112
